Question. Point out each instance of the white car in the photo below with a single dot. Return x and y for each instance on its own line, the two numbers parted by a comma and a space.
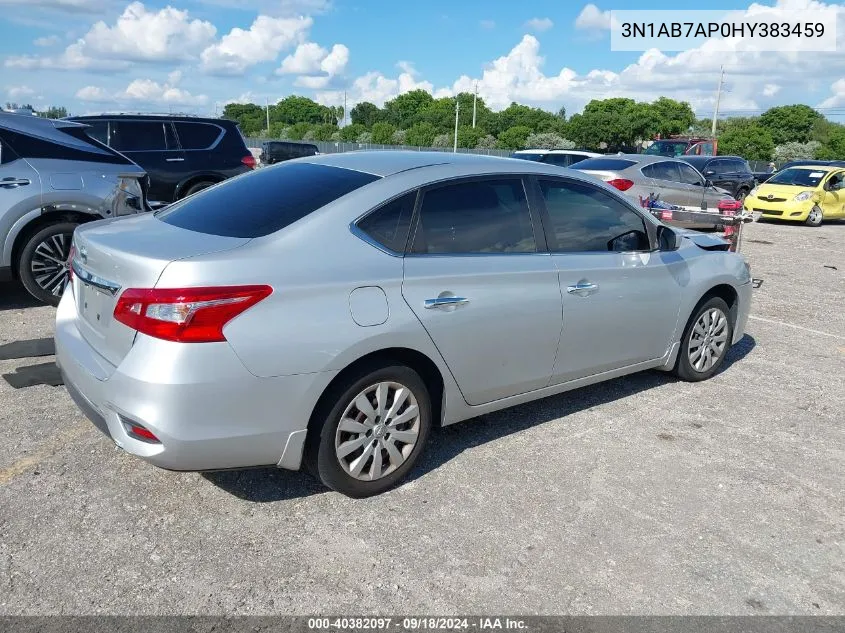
559, 157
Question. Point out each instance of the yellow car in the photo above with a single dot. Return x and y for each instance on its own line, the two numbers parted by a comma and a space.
808, 194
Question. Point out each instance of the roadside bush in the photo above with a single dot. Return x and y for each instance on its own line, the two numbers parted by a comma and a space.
794, 151
421, 134
514, 137
336, 136
399, 137
382, 133
310, 135
297, 131
486, 142
442, 140
324, 132
548, 140
364, 137
351, 132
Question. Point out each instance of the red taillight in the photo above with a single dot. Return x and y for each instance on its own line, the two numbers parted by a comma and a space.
70, 257
186, 315
623, 184
139, 432
249, 161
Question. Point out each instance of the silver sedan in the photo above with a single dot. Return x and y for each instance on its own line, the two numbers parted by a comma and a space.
329, 311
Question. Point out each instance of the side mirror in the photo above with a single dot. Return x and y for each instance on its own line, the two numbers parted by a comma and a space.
630, 241
667, 239
709, 172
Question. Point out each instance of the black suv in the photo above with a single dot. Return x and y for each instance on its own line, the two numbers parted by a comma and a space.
181, 154
277, 151
731, 173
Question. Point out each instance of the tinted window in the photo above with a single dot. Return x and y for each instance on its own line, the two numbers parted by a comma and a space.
689, 176
263, 201
738, 165
489, 216
79, 146
585, 219
800, 177
666, 170
389, 225
605, 164
7, 154
197, 135
562, 160
138, 136
535, 157
719, 166
99, 131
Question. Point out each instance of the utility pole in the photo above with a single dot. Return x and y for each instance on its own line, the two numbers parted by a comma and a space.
718, 99
457, 109
344, 107
267, 111
474, 99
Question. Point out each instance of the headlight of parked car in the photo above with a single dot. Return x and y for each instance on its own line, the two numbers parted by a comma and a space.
803, 196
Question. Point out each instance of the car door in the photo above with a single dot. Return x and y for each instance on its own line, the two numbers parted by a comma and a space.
20, 192
718, 171
701, 197
833, 202
152, 145
667, 180
478, 280
620, 298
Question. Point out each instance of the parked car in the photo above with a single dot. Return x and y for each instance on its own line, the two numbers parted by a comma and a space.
731, 173
678, 146
808, 194
559, 157
181, 154
273, 152
53, 177
356, 300
672, 180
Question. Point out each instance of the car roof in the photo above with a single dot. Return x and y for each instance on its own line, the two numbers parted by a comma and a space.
389, 162
557, 151
641, 159
140, 116
30, 124
815, 167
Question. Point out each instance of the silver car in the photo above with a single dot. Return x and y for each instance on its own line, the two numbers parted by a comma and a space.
331, 310
53, 177
674, 181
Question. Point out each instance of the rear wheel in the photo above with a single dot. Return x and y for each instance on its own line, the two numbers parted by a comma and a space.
815, 217
741, 195
43, 266
199, 186
706, 341
373, 429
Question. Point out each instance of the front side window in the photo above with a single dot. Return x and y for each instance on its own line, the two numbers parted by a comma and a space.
486, 216
389, 225
689, 176
585, 219
138, 136
666, 170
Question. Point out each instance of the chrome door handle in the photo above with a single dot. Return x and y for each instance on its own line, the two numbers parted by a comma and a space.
13, 181
445, 301
174, 160
582, 288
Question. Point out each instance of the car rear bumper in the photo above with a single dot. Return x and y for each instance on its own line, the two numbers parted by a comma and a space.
199, 400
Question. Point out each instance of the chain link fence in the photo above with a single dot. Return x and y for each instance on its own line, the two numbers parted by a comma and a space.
337, 147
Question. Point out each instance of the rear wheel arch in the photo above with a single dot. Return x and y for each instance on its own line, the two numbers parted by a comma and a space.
183, 187
43, 220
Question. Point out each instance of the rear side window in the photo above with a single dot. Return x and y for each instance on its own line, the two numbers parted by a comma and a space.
138, 136
605, 164
263, 201
389, 225
99, 131
561, 160
7, 154
196, 135
79, 146
487, 216
585, 219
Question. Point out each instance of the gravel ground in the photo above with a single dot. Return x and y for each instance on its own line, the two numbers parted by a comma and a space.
639, 496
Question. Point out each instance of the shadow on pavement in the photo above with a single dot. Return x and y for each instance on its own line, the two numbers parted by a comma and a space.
14, 297
270, 484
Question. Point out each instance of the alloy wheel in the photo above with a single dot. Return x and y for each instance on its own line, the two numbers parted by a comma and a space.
378, 431
815, 216
709, 340
50, 266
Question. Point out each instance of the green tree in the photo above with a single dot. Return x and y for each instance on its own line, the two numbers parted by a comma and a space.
279, 130
249, 116
548, 140
440, 114
400, 137
793, 151
834, 146
442, 140
383, 133
469, 136
535, 119
750, 140
296, 109
405, 110
365, 138
673, 117
643, 121
603, 121
790, 123
366, 114
324, 132
488, 141
297, 131
54, 112
421, 135
351, 132
514, 137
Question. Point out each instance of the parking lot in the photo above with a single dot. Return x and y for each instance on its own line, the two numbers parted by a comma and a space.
642, 495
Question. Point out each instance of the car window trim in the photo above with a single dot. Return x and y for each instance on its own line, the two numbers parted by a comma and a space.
650, 223
209, 148
681, 166
143, 151
536, 226
358, 232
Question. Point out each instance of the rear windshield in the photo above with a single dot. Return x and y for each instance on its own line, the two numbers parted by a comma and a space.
263, 201
798, 176
603, 164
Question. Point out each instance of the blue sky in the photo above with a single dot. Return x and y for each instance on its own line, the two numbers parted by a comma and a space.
194, 56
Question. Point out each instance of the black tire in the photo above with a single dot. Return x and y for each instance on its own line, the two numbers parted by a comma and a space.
198, 186
815, 217
684, 367
40, 251
741, 194
321, 457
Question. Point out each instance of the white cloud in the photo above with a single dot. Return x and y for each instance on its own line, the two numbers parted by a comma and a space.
539, 24
16, 93
62, 6
73, 58
592, 18
770, 90
487, 24
304, 60
317, 68
262, 42
837, 99
144, 92
49, 40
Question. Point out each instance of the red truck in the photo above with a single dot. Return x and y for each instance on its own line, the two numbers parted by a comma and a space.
676, 146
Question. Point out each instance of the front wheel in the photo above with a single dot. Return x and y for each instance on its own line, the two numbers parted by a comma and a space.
815, 217
706, 341
374, 427
43, 267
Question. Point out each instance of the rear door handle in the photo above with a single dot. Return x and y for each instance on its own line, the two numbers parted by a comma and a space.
583, 289
13, 182
441, 302
174, 160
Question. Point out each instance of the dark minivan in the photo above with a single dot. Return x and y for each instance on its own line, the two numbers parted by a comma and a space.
273, 152
731, 173
181, 154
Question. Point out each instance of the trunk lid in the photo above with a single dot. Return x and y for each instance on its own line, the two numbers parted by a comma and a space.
132, 252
